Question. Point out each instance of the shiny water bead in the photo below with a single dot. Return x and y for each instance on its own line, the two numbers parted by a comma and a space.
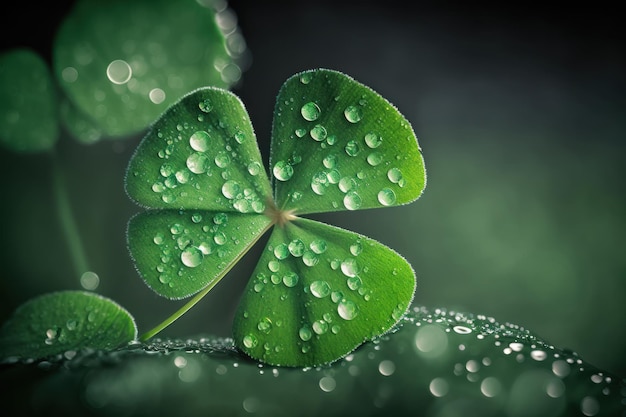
310, 111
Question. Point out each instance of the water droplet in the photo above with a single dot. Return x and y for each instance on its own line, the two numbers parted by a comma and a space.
273, 266
336, 296
158, 187
305, 333
439, 387
300, 132
306, 77
356, 248
296, 248
352, 148
240, 137
290, 279
250, 341
231, 189
283, 171
220, 218
353, 114
191, 256
265, 325
320, 326
373, 140
309, 258
538, 355
374, 159
222, 160
346, 184
119, 72
394, 175
199, 141
320, 289
347, 310
354, 283
386, 368
254, 168
318, 246
490, 386
197, 163
220, 238
158, 238
281, 251
182, 176
462, 329
319, 133
310, 111
386, 197
196, 217
352, 201
205, 105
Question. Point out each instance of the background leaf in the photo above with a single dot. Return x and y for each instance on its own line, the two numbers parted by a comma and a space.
438, 363
317, 293
58, 322
200, 154
28, 107
337, 145
123, 63
178, 253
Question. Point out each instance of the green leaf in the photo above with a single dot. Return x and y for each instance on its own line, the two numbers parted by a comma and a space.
178, 253
28, 112
337, 145
54, 323
318, 292
123, 63
200, 163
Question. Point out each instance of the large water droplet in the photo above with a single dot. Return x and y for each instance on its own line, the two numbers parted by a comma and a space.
319, 133
250, 341
305, 333
296, 248
222, 160
254, 168
281, 251
231, 189
373, 140
386, 197
283, 171
320, 326
320, 289
205, 105
347, 309
354, 283
394, 175
306, 77
265, 325
199, 141
353, 114
290, 279
352, 148
310, 111
346, 184
349, 267
352, 201
191, 256
197, 163
318, 246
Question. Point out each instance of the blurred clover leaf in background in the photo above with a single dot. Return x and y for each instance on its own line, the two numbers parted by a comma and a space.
65, 321
117, 65
318, 291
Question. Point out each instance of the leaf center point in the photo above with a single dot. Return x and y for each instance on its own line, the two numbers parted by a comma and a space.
278, 216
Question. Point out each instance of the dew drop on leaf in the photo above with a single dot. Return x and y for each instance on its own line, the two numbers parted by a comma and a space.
352, 148
353, 114
305, 333
250, 341
254, 168
197, 163
373, 140
320, 289
290, 279
199, 141
319, 133
386, 197
310, 111
320, 327
206, 105
283, 171
231, 189
296, 248
191, 256
318, 246
306, 78
347, 310
352, 201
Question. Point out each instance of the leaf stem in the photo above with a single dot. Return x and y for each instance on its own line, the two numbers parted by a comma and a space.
66, 217
199, 296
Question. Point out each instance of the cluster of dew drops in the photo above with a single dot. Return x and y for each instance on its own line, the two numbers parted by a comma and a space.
310, 112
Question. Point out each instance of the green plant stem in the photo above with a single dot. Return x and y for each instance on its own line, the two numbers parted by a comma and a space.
66, 217
171, 319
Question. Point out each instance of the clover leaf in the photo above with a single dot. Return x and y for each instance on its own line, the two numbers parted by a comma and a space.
318, 291
58, 322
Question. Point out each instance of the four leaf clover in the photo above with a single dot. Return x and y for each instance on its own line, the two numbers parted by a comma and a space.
318, 291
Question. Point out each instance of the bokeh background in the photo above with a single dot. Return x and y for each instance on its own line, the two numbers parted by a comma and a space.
521, 114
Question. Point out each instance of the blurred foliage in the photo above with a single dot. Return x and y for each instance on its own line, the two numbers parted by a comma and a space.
436, 363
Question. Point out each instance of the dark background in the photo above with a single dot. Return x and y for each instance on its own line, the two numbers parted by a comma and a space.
521, 116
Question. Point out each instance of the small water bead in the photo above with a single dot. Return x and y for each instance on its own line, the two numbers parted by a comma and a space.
222, 160
305, 333
281, 251
300, 132
372, 140
306, 77
352, 201
220, 238
352, 148
375, 159
394, 175
336, 296
333, 176
353, 114
354, 283
206, 248
220, 218
346, 184
320, 289
250, 341
158, 239
309, 258
330, 161
319, 133
196, 217
310, 111
320, 326
197, 163
335, 328
240, 137
318, 246
386, 197
166, 170
191, 256
356, 248
176, 229
347, 310
182, 176
205, 105
331, 140
290, 279
254, 168
538, 355
386, 368
273, 266
71, 324
265, 325
283, 171
158, 187
231, 189
199, 141
462, 329
350, 267
296, 248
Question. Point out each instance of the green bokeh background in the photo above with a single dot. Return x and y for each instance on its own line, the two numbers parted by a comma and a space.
521, 117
